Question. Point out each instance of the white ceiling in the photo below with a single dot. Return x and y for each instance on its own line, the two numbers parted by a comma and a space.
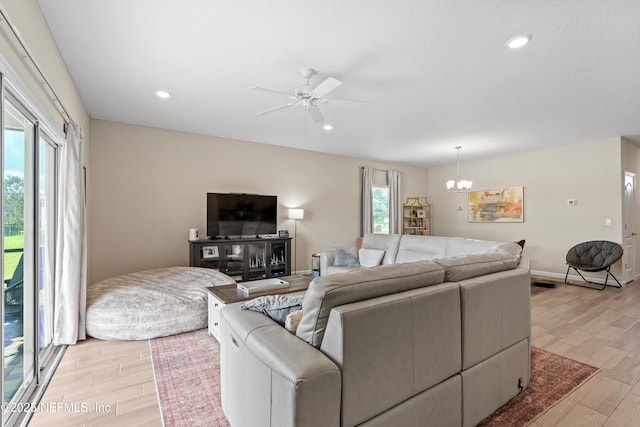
437, 74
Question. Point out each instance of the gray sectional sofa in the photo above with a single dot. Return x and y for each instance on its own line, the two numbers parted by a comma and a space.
438, 343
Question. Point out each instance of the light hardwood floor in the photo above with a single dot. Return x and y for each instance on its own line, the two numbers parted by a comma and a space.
601, 328
102, 383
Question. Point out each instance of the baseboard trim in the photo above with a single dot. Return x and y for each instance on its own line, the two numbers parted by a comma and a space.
571, 277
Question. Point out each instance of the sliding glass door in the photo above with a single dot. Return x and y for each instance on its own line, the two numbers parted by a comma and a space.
46, 219
29, 171
19, 136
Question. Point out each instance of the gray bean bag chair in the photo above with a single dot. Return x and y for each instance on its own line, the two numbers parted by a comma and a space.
152, 303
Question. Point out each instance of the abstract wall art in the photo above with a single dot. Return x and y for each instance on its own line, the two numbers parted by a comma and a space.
499, 205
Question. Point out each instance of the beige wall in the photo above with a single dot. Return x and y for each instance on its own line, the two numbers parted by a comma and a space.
589, 172
27, 18
149, 187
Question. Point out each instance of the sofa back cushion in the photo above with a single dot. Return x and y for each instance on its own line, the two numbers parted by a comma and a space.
505, 256
419, 248
458, 246
326, 292
387, 242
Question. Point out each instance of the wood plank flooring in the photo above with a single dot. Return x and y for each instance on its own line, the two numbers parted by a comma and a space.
601, 328
101, 383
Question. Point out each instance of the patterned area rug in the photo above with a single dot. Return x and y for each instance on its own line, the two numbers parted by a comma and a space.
187, 371
552, 378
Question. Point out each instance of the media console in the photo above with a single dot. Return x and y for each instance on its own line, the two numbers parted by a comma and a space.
245, 258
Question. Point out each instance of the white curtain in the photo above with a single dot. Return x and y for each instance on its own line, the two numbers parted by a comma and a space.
367, 204
395, 202
71, 249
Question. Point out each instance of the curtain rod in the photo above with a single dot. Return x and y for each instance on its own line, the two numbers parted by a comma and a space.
375, 169
27, 55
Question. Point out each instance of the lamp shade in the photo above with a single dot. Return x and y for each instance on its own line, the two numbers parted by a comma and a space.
296, 213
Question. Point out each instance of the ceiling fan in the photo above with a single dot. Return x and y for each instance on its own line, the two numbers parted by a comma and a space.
309, 96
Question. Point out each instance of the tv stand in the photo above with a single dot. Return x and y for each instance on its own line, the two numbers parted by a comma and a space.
243, 259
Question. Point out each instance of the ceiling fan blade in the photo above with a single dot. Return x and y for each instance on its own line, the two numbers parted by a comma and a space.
343, 102
280, 107
262, 89
325, 87
315, 114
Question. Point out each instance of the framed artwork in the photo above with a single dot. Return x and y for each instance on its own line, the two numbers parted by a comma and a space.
283, 233
210, 252
499, 205
421, 213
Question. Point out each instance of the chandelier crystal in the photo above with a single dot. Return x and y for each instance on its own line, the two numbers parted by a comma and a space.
458, 185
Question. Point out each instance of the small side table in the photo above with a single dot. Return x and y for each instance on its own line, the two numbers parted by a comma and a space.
315, 265
219, 296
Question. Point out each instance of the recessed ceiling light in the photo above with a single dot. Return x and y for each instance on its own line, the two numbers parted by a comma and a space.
327, 127
163, 94
518, 41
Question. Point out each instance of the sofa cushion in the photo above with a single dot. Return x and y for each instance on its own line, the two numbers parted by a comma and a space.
345, 256
370, 257
333, 269
387, 242
327, 292
419, 248
513, 248
507, 257
462, 246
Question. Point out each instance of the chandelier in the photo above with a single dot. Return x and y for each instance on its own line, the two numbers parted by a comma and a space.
458, 185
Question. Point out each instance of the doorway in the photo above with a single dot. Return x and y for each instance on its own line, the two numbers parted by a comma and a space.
629, 260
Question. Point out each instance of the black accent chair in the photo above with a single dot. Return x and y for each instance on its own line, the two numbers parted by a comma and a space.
13, 290
592, 256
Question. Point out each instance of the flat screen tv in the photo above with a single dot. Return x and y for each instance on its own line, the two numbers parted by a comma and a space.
241, 215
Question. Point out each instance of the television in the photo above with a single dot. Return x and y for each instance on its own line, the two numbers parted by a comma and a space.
232, 215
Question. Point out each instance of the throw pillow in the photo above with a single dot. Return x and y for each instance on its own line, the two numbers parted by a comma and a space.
292, 321
345, 256
276, 307
370, 257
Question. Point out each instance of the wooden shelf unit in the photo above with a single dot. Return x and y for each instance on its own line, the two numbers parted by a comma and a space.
416, 216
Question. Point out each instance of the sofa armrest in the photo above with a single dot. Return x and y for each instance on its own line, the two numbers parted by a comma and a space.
287, 381
326, 261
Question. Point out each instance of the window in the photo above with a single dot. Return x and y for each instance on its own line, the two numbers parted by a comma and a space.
380, 199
